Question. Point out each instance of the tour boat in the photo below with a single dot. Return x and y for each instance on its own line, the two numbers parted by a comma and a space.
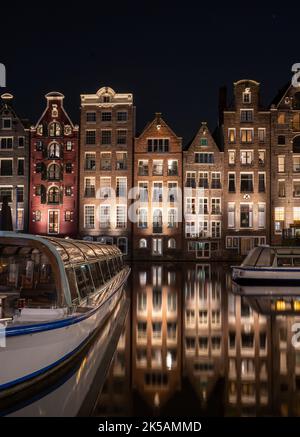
54, 294
269, 265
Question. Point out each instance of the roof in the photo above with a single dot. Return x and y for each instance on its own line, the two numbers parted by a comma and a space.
280, 94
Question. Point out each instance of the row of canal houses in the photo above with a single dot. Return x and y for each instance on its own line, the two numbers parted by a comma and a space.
151, 194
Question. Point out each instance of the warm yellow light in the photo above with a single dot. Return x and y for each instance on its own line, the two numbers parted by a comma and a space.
296, 305
280, 305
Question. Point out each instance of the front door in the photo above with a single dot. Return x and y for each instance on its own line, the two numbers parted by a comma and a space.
246, 245
53, 222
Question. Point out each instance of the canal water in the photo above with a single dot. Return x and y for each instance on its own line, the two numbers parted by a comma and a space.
184, 342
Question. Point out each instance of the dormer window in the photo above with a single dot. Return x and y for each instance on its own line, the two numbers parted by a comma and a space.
106, 99
203, 141
6, 123
54, 129
247, 96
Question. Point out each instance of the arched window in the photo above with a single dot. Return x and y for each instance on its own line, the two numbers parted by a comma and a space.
53, 195
122, 244
54, 129
143, 243
171, 243
143, 218
296, 144
54, 172
54, 151
157, 220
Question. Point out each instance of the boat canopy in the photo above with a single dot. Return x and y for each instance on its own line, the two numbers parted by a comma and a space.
50, 272
263, 256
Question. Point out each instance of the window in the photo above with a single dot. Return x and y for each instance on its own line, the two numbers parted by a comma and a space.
157, 192
261, 134
106, 116
121, 216
89, 187
20, 194
6, 192
69, 167
69, 216
279, 219
121, 188
231, 135
21, 142
281, 140
261, 215
6, 123
172, 192
21, 162
90, 137
246, 157
246, 135
159, 145
281, 188
281, 163
53, 195
203, 142
91, 117
105, 161
246, 115
6, 167
247, 340
69, 146
231, 215
121, 160
20, 219
216, 205
190, 230
216, 180
171, 243
89, 216
246, 215
281, 118
54, 172
261, 182
106, 99
68, 190
190, 205
261, 157
53, 222
296, 188
121, 136
204, 158
122, 116
6, 143
54, 151
158, 167
143, 243
190, 179
105, 187
143, 168
142, 218
106, 137
90, 161
203, 179
36, 216
55, 129
246, 182
203, 206
122, 244
143, 191
105, 216
247, 96
157, 221
231, 182
231, 157
172, 218
216, 229
172, 167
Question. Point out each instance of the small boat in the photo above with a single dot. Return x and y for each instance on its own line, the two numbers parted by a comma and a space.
54, 295
265, 265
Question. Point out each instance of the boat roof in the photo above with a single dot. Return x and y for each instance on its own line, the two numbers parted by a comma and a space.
282, 250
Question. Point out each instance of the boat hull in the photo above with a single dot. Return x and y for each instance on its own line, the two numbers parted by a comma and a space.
33, 350
266, 276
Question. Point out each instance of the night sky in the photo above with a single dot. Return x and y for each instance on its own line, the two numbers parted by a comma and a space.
173, 56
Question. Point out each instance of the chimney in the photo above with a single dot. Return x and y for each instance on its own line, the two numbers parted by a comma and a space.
222, 103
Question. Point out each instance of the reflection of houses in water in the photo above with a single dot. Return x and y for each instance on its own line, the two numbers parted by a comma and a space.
115, 397
156, 336
203, 327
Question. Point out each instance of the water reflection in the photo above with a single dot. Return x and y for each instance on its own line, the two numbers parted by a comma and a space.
193, 346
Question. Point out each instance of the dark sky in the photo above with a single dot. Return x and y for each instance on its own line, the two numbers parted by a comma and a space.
172, 56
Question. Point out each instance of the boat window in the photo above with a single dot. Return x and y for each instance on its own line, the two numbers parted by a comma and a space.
266, 258
72, 283
284, 262
105, 270
112, 267
26, 273
84, 280
96, 275
252, 257
296, 262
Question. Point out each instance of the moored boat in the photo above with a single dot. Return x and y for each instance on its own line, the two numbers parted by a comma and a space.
269, 265
54, 294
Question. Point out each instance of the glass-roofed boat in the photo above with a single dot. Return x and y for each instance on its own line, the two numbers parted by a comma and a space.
54, 294
269, 265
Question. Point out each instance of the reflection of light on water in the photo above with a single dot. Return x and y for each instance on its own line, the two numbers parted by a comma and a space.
169, 360
297, 305
156, 400
81, 368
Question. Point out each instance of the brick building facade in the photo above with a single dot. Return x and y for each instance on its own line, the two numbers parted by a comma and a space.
54, 172
14, 162
157, 231
106, 158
